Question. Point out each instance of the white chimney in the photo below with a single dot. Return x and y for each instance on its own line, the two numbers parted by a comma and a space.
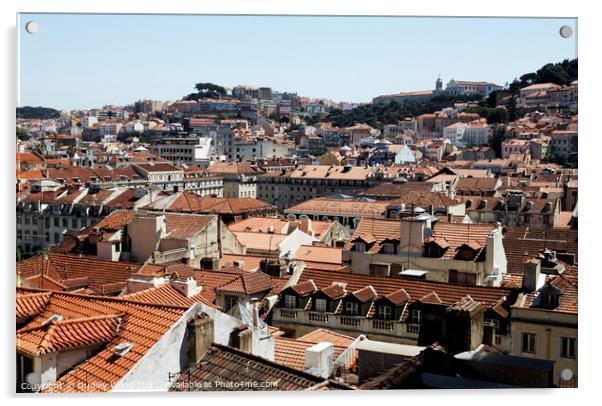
187, 287
319, 359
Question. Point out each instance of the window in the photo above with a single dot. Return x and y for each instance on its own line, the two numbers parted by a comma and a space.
321, 305
74, 223
290, 301
416, 316
385, 312
549, 300
56, 221
528, 342
462, 278
352, 308
57, 237
568, 346
65, 223
388, 249
360, 247
231, 301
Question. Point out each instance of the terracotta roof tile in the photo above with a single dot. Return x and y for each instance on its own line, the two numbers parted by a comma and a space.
291, 352
417, 289
249, 283
365, 294
141, 324
230, 367
305, 288
56, 336
102, 277
324, 335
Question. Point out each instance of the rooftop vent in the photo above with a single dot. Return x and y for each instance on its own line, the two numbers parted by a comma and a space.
121, 349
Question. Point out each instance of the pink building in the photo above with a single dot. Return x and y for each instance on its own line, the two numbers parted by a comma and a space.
514, 146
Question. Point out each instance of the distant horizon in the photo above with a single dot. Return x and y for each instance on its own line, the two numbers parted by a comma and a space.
119, 59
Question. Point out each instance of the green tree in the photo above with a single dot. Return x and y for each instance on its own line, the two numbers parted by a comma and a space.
210, 90
491, 100
552, 73
498, 115
22, 134
498, 135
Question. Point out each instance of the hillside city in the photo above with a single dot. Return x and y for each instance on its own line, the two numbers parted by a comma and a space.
247, 238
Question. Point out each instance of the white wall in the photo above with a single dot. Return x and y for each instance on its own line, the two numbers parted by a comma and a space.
169, 354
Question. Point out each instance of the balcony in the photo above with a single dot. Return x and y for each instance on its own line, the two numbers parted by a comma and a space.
317, 317
288, 314
386, 325
354, 324
351, 321
413, 329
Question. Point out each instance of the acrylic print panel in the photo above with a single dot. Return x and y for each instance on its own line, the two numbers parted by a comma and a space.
224, 203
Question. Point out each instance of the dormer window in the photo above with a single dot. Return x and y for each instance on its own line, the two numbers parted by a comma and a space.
416, 316
388, 249
352, 308
360, 247
290, 301
385, 312
549, 300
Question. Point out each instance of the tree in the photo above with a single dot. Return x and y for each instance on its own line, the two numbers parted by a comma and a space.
498, 115
210, 90
552, 73
42, 113
498, 135
491, 100
22, 134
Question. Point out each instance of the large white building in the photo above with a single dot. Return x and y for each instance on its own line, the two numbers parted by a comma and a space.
191, 150
467, 134
462, 87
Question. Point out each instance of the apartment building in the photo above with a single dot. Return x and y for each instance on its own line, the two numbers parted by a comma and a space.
288, 188
189, 150
471, 254
240, 178
403, 310
545, 316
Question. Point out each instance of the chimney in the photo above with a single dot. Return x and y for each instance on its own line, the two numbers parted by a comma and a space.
531, 274
412, 236
146, 232
463, 325
187, 287
489, 334
200, 337
319, 359
209, 263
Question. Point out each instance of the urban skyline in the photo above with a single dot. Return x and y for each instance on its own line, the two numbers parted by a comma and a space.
348, 45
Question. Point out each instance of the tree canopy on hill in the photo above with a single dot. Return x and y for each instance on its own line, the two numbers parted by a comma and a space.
379, 115
561, 73
41, 113
207, 91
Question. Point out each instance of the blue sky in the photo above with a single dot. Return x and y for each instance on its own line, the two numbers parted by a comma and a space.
87, 60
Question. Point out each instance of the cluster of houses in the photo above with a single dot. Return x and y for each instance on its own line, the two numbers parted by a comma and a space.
205, 253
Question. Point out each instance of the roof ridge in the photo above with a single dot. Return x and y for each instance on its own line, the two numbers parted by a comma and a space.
117, 299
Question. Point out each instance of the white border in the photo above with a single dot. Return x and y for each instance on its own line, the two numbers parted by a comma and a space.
589, 82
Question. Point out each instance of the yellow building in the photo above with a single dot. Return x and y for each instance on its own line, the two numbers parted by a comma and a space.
545, 317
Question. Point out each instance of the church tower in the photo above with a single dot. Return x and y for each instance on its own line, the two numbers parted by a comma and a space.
439, 85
